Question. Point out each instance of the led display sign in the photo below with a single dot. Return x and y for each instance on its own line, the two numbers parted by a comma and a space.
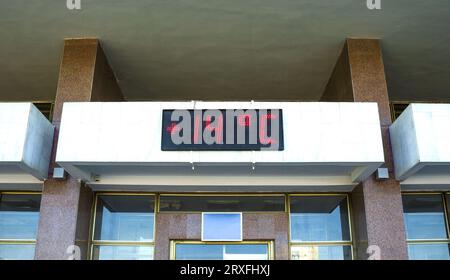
226, 129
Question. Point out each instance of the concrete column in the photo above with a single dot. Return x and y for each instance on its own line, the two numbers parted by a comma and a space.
84, 75
377, 205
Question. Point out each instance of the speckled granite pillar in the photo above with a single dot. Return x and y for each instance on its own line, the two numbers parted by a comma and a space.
259, 227
377, 205
84, 75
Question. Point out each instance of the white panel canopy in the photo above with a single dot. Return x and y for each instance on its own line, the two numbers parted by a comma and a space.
26, 140
421, 146
119, 144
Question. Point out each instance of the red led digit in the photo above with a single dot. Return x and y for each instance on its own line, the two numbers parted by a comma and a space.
173, 128
208, 124
197, 129
270, 116
219, 130
244, 120
262, 129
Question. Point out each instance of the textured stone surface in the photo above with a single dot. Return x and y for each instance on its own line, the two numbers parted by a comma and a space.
58, 218
76, 73
377, 205
264, 226
66, 205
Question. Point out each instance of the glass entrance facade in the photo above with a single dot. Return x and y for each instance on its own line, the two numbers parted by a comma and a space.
426, 225
124, 226
19, 216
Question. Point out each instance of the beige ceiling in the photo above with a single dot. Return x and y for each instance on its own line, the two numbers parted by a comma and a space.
225, 49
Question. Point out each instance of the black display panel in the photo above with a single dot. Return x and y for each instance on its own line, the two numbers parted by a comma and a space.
222, 130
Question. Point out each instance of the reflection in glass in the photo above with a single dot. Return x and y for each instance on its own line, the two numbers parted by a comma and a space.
125, 218
19, 215
221, 203
424, 217
321, 252
429, 251
16, 251
107, 252
222, 252
319, 218
221, 226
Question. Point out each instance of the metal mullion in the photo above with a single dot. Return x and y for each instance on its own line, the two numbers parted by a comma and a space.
429, 241
446, 210
121, 243
421, 193
20, 193
94, 216
320, 243
126, 193
237, 194
18, 241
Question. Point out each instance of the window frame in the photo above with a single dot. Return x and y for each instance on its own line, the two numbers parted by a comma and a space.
321, 243
93, 242
269, 243
446, 210
20, 241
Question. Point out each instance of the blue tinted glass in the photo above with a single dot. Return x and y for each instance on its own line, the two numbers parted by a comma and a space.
424, 217
221, 252
313, 252
126, 218
19, 216
222, 227
106, 252
428, 252
16, 251
319, 218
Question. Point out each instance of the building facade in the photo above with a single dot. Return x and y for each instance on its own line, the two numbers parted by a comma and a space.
93, 174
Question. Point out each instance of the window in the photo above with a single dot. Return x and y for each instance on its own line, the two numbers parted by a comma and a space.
320, 227
426, 226
397, 108
19, 216
222, 203
247, 250
45, 107
123, 227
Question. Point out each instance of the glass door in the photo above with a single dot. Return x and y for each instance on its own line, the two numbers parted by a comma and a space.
246, 250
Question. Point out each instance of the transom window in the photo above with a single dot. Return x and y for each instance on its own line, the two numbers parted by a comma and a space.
19, 217
320, 227
426, 225
123, 227
222, 203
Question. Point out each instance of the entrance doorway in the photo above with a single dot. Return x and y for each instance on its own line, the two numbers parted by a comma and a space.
197, 250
